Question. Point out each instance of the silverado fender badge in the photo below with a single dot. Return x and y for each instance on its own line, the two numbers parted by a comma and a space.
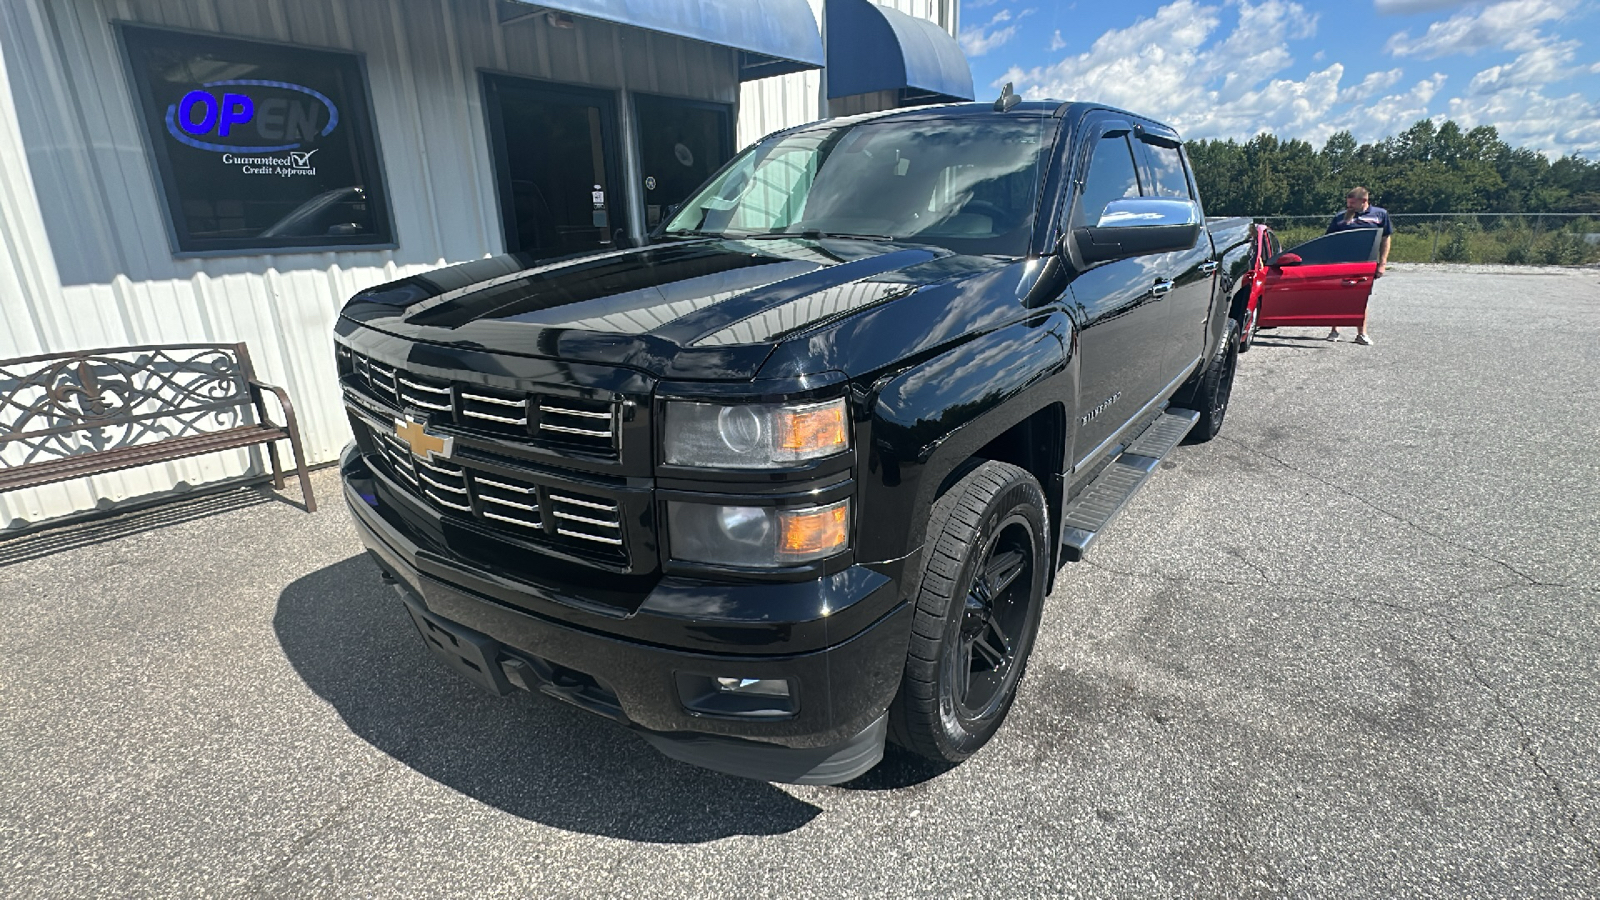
423, 445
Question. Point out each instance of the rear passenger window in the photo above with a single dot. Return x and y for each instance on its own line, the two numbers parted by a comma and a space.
1112, 175
1166, 164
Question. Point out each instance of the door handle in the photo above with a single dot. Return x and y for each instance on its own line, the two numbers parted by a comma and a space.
1208, 267
1161, 288
1352, 282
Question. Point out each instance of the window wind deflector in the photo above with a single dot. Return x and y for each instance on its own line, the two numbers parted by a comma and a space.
1115, 128
1160, 139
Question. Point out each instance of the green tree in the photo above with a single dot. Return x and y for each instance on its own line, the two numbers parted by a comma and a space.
1428, 167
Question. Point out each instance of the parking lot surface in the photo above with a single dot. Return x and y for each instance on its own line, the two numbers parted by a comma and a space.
1348, 649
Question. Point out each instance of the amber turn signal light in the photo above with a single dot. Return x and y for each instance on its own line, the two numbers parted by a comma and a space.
813, 430
813, 532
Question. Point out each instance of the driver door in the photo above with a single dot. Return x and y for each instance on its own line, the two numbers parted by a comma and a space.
1329, 284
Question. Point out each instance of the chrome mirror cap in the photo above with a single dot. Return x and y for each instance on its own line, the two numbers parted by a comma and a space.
1139, 212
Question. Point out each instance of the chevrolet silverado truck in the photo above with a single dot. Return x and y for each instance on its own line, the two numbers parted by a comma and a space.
797, 476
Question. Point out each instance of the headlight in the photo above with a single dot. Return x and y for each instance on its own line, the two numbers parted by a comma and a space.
754, 435
763, 536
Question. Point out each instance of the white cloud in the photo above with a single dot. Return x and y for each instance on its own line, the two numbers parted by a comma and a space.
1183, 65
1508, 24
1175, 66
1375, 83
980, 39
1390, 114
1056, 43
1525, 117
1540, 65
1402, 7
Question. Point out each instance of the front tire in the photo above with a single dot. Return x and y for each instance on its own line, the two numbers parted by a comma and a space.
977, 612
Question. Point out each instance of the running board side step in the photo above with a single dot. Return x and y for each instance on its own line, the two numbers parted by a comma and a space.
1093, 509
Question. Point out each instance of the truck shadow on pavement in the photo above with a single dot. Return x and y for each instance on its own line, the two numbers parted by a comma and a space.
349, 639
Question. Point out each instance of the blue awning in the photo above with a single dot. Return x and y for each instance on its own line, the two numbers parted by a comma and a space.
871, 48
773, 37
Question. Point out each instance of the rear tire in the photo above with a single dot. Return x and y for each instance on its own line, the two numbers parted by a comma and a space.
1209, 395
977, 611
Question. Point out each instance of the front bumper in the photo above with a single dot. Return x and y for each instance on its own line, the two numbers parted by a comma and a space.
630, 668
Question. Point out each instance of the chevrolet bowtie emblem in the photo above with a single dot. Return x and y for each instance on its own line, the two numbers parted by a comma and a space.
422, 444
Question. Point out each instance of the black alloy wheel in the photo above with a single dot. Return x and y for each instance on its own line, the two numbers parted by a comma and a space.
1210, 394
995, 611
977, 613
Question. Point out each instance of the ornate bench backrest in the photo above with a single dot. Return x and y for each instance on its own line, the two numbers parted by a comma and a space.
67, 404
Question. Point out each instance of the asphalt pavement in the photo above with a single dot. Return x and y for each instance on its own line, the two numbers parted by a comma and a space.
1347, 649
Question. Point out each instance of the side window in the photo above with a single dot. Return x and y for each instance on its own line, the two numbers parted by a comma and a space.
1112, 175
1360, 245
1166, 164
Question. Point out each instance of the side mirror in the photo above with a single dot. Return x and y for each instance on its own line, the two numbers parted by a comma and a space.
1287, 259
1139, 226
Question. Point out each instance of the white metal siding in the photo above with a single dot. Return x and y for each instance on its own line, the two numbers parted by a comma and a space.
84, 255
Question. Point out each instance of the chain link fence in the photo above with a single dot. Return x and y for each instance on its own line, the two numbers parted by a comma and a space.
1519, 239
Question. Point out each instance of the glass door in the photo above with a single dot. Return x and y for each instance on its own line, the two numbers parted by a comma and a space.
555, 159
681, 144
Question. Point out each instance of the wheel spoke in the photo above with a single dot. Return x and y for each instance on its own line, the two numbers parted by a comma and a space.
1001, 638
982, 646
965, 676
1001, 571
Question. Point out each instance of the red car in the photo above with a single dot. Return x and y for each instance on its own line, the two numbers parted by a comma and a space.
1324, 282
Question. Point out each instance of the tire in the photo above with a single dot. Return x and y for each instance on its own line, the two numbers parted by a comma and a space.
1247, 334
1210, 394
977, 612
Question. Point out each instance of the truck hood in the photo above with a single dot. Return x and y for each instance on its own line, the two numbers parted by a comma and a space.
700, 309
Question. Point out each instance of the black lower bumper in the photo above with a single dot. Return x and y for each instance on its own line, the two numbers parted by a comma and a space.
839, 693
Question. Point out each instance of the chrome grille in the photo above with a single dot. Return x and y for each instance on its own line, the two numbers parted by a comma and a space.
585, 422
505, 501
581, 523
444, 483
586, 519
427, 396
480, 405
560, 422
396, 454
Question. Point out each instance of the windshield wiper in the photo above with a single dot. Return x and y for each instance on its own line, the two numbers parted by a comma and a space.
814, 234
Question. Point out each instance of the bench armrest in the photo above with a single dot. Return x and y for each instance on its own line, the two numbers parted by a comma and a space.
289, 423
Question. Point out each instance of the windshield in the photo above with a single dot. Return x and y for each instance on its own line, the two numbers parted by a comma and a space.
966, 184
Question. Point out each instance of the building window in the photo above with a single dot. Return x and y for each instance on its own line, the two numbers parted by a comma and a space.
259, 146
682, 143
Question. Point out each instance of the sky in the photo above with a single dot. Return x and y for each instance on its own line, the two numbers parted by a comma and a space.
1235, 68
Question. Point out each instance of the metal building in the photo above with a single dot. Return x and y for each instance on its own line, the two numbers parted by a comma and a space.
231, 170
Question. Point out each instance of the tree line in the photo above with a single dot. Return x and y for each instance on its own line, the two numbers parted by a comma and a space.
1427, 168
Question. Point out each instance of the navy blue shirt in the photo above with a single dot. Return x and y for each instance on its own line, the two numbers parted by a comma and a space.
1374, 217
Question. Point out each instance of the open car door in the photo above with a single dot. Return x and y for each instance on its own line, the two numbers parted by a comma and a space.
1323, 282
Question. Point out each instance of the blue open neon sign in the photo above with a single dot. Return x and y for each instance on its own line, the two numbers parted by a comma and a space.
200, 113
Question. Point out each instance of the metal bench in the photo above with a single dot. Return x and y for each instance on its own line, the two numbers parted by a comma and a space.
71, 415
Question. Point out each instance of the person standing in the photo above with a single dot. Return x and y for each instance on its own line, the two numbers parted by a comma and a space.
1360, 213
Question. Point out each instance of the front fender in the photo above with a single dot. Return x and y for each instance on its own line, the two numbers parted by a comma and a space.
929, 419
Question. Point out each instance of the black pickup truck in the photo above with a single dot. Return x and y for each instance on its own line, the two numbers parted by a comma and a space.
797, 476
